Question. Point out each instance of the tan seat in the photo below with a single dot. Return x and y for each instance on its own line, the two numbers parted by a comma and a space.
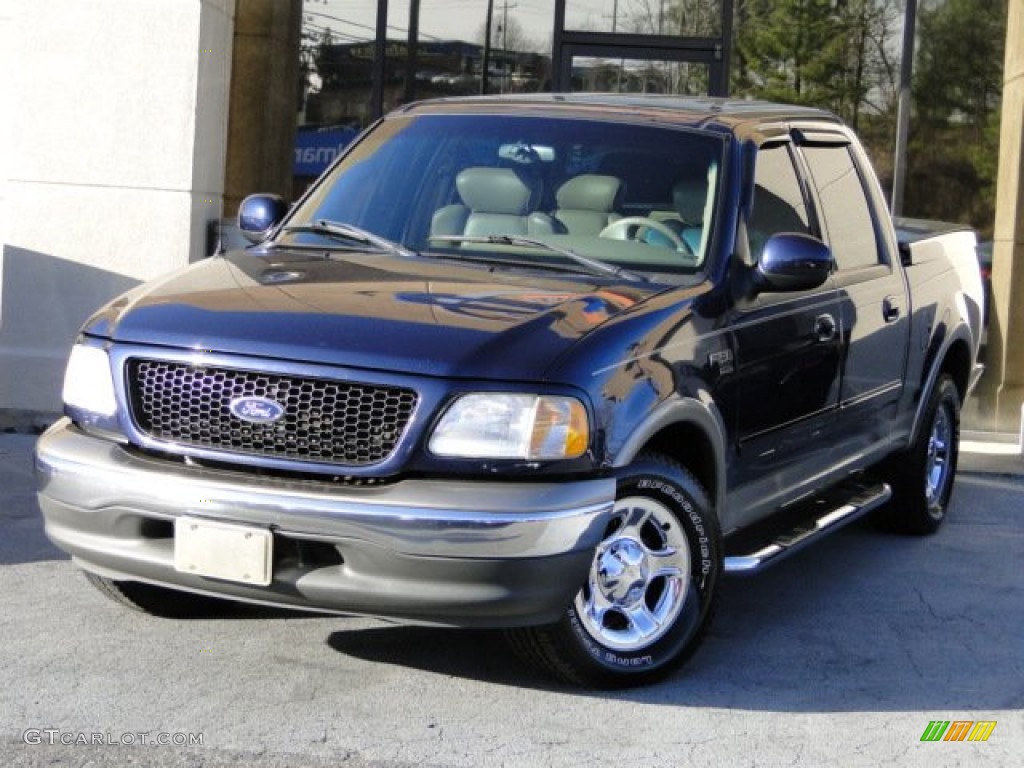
586, 203
689, 198
495, 201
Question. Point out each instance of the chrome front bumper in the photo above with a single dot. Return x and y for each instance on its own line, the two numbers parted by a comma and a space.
444, 552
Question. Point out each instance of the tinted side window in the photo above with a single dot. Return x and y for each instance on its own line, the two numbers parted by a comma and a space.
851, 228
779, 204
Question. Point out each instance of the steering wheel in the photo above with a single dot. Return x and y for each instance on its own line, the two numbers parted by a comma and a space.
630, 228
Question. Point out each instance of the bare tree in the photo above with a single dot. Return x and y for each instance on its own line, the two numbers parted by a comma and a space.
510, 36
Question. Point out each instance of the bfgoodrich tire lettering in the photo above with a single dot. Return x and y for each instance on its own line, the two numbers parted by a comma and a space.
650, 593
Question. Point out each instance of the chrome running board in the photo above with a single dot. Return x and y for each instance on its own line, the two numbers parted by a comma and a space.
844, 504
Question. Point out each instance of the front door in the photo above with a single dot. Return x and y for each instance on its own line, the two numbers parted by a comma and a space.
788, 350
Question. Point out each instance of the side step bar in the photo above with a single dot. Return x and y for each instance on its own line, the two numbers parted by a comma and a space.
852, 504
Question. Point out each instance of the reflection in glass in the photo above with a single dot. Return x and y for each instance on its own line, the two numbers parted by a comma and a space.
600, 75
686, 18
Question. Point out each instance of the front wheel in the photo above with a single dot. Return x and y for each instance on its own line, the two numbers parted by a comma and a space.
648, 598
158, 601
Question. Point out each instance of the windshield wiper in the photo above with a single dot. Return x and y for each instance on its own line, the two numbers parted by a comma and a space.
593, 265
352, 232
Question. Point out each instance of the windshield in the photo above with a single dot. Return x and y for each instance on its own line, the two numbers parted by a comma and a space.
501, 188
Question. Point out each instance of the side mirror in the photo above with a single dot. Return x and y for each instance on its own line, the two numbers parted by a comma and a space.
258, 214
793, 262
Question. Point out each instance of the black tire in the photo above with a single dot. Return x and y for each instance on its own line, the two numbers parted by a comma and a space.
639, 627
159, 601
922, 476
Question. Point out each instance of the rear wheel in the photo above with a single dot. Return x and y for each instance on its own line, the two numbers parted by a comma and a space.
922, 477
648, 598
158, 601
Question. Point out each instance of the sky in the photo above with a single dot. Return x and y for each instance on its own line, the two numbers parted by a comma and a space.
354, 20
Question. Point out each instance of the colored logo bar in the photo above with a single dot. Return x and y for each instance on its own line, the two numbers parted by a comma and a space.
958, 730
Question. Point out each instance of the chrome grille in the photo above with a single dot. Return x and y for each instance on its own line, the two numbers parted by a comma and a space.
324, 420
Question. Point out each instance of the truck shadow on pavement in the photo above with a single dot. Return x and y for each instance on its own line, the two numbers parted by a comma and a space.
864, 621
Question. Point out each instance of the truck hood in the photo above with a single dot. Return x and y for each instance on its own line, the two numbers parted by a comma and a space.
369, 310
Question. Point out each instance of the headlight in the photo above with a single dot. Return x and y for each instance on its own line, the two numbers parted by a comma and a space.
503, 426
87, 382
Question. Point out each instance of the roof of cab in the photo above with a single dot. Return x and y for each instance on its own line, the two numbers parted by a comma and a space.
683, 110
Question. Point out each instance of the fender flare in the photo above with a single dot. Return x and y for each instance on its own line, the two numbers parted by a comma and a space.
960, 334
700, 413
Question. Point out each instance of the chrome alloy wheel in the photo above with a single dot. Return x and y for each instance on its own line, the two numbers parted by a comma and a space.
937, 461
639, 579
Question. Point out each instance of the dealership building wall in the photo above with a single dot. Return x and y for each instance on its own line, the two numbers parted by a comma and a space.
113, 159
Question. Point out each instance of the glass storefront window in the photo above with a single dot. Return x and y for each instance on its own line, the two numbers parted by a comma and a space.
338, 52
337, 62
677, 78
686, 18
457, 53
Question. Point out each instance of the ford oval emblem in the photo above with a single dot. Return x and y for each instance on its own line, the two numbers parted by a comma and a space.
257, 410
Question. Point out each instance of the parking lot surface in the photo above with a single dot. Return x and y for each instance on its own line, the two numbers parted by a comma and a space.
842, 655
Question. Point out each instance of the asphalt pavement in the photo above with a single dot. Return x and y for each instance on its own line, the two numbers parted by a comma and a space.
842, 655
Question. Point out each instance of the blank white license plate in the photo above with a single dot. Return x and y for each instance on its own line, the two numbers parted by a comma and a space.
223, 551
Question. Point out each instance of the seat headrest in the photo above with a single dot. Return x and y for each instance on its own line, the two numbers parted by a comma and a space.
589, 192
689, 196
497, 190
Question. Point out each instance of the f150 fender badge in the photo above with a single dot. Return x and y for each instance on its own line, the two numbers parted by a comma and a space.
257, 410
721, 360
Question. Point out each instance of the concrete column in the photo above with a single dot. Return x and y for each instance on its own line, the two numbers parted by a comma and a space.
117, 115
1002, 392
264, 99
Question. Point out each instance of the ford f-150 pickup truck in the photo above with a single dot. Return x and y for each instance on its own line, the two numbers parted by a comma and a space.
554, 364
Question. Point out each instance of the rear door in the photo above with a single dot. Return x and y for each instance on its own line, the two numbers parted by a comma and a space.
874, 308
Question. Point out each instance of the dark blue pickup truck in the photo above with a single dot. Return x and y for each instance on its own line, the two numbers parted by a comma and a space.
554, 364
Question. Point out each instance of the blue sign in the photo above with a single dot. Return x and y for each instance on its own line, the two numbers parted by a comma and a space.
315, 150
